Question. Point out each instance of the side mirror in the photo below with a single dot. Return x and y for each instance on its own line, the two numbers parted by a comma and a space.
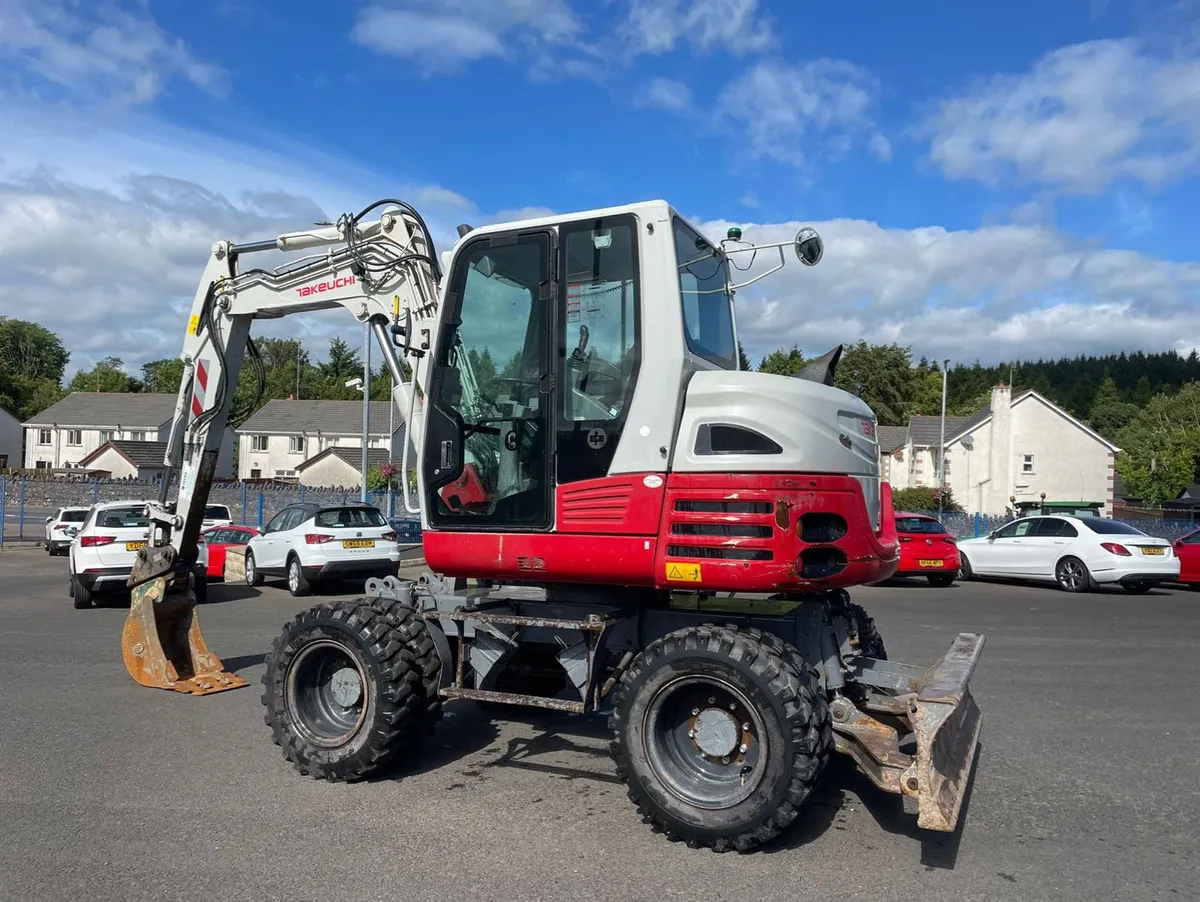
809, 246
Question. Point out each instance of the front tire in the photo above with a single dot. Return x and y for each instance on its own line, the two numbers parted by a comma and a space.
253, 577
351, 685
297, 582
1072, 575
719, 737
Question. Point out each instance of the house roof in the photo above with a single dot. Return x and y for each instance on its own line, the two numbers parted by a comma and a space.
926, 432
290, 416
352, 456
1188, 497
129, 410
891, 437
139, 454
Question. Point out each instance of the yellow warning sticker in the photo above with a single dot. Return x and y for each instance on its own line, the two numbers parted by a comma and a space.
684, 573
193, 325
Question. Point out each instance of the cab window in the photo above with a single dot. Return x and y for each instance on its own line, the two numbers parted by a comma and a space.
704, 290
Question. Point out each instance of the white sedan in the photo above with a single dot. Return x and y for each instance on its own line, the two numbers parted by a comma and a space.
1078, 553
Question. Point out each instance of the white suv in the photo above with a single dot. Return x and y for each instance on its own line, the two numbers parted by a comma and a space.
61, 528
216, 515
310, 542
102, 555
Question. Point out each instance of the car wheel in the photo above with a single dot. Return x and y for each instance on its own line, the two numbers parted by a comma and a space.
253, 577
1072, 575
82, 595
964, 568
298, 585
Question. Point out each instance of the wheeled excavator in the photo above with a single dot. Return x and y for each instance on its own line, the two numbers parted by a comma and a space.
616, 517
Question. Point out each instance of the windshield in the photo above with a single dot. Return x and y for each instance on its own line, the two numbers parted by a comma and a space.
919, 524
1111, 527
707, 308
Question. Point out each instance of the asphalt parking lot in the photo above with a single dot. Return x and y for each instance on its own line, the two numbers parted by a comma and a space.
1085, 786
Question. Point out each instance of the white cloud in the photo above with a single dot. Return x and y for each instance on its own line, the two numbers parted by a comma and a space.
999, 292
455, 32
1081, 118
779, 107
98, 52
659, 26
663, 94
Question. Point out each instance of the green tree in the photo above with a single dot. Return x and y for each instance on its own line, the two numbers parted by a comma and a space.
920, 498
106, 376
1161, 445
1109, 414
162, 376
882, 376
341, 365
32, 360
783, 363
743, 360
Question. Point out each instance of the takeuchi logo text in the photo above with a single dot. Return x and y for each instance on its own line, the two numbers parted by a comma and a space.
321, 287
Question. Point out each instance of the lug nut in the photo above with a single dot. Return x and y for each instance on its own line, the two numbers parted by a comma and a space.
691, 734
725, 760
711, 700
742, 748
746, 727
695, 711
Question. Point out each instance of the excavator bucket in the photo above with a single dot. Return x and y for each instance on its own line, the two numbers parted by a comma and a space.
946, 721
161, 642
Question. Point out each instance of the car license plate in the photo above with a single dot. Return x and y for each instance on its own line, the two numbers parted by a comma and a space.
134, 546
358, 543
1152, 549
930, 563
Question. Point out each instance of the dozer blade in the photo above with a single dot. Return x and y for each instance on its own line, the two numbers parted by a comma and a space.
161, 641
946, 721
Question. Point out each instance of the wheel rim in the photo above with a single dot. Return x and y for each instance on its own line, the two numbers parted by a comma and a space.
326, 693
705, 742
1071, 574
294, 577
249, 569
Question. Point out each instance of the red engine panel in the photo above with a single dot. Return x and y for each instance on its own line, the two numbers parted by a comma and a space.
772, 532
760, 532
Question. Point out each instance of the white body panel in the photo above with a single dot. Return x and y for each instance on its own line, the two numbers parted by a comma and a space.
820, 429
1016, 551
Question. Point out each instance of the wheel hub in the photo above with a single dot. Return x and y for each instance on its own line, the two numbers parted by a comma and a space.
346, 687
716, 733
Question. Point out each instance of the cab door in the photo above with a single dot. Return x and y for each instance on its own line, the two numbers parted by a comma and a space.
489, 441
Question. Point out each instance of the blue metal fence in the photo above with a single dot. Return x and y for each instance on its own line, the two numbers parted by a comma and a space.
966, 526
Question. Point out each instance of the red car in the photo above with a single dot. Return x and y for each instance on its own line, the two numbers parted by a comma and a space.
219, 538
926, 549
1187, 549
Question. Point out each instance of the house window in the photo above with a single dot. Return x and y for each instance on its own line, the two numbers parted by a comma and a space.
296, 444
42, 465
1026, 463
258, 443
43, 436
256, 473
105, 436
74, 436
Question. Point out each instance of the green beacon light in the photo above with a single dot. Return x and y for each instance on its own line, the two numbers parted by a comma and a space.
734, 234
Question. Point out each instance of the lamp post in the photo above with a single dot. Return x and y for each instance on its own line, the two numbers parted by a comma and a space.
942, 443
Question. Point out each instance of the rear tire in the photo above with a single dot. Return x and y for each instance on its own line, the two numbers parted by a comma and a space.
702, 788
81, 594
298, 583
349, 686
940, 580
964, 568
1072, 575
253, 577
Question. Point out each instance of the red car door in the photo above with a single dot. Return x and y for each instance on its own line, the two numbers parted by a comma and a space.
1187, 549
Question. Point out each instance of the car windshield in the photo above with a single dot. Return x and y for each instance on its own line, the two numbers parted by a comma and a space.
216, 512
350, 517
1110, 527
131, 517
919, 524
74, 516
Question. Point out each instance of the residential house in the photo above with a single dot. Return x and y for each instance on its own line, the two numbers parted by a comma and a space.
1016, 447
276, 440
127, 460
64, 434
891, 440
11, 439
1184, 506
339, 466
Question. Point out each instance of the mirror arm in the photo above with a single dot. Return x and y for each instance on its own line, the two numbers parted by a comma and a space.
774, 269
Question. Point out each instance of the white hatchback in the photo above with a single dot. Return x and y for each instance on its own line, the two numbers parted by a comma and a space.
1075, 552
307, 543
102, 555
62, 527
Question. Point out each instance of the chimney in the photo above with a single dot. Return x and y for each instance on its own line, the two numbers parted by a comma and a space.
1000, 450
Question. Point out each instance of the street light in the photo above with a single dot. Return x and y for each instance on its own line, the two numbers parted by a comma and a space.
942, 443
358, 383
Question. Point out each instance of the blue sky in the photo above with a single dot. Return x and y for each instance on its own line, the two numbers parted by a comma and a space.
992, 181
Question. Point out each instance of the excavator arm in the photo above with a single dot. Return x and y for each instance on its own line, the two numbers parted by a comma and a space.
386, 273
